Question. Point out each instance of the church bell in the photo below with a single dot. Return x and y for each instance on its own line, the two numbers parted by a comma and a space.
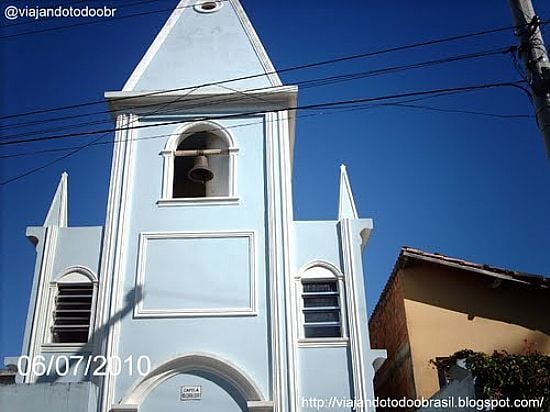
200, 172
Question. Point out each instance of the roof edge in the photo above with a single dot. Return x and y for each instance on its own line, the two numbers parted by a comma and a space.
407, 253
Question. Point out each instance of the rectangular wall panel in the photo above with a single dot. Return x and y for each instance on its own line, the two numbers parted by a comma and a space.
196, 274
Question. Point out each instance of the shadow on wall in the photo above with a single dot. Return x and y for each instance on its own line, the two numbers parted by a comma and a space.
97, 339
477, 295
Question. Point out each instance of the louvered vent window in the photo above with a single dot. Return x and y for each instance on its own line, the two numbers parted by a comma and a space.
321, 309
73, 306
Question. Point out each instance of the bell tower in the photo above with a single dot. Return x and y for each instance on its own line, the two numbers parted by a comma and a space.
204, 271
196, 248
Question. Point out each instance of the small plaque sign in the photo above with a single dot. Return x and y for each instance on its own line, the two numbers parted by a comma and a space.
190, 393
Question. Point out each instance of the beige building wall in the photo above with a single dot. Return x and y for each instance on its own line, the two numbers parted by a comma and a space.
448, 310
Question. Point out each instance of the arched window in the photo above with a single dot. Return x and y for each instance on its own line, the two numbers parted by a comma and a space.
199, 163
201, 167
321, 302
322, 312
74, 296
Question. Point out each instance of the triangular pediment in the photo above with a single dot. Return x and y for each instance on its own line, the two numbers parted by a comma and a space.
198, 47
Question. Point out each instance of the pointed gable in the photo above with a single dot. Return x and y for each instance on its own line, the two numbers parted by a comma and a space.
346, 204
57, 214
199, 46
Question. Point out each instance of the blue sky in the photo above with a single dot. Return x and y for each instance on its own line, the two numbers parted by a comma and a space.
466, 185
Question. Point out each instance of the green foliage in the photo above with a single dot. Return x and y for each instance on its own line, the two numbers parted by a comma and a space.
501, 375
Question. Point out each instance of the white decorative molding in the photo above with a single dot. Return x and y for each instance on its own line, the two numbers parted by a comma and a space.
57, 213
260, 406
141, 312
124, 408
105, 298
200, 126
275, 275
72, 275
279, 225
356, 343
198, 201
345, 198
285, 152
66, 275
168, 154
208, 98
256, 44
42, 297
320, 269
68, 348
186, 363
323, 342
155, 46
115, 245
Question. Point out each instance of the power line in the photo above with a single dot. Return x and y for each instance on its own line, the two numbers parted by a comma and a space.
318, 82
403, 103
51, 163
64, 149
347, 58
54, 161
284, 70
89, 23
439, 109
251, 113
359, 75
68, 4
311, 106
69, 26
358, 107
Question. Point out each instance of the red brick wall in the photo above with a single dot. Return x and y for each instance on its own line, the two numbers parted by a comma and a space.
388, 330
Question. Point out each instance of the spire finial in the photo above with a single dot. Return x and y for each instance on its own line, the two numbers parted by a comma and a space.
57, 214
346, 204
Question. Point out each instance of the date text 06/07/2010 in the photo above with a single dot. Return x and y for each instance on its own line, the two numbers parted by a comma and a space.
80, 365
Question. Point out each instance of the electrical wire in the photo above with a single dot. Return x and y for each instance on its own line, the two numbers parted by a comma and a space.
324, 105
310, 106
284, 70
69, 26
402, 103
89, 23
318, 82
63, 157
256, 112
484, 114
66, 4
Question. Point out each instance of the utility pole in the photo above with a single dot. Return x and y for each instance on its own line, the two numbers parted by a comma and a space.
534, 55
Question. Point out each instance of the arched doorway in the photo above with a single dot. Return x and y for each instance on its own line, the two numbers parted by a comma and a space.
207, 382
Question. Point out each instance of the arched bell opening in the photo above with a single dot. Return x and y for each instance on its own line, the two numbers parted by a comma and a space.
199, 163
201, 167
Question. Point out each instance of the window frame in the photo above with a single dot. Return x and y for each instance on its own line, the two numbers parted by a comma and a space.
168, 155
320, 271
319, 309
71, 276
